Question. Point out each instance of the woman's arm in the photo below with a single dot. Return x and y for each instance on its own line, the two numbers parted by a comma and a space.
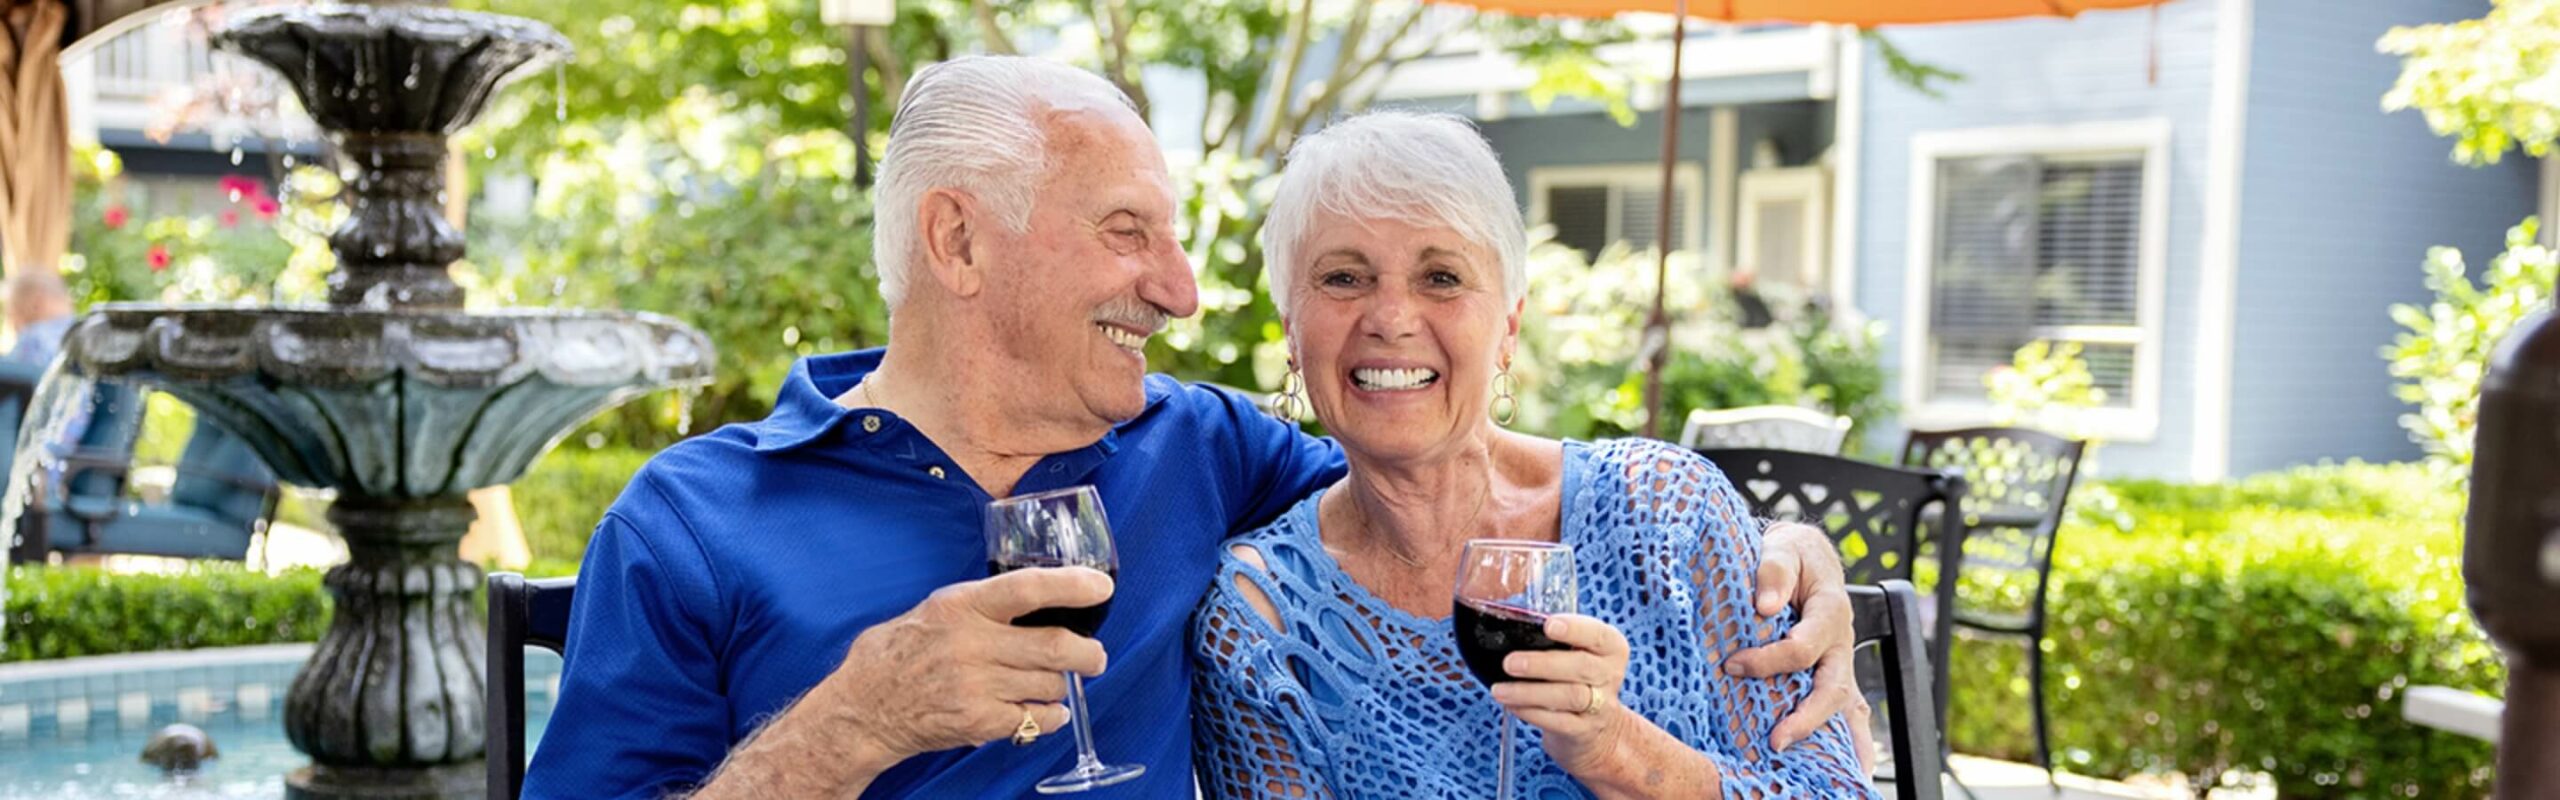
1248, 715
1572, 694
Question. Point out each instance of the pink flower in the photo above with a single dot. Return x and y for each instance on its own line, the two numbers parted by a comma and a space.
266, 207
230, 218
242, 185
116, 217
159, 257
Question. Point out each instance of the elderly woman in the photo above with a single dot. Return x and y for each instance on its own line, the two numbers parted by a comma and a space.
1328, 666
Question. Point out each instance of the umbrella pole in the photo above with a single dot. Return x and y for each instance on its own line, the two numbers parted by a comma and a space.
1658, 327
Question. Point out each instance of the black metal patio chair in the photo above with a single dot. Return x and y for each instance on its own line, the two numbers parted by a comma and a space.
521, 612
2017, 483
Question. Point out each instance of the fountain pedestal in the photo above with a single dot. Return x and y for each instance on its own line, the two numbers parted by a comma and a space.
392, 394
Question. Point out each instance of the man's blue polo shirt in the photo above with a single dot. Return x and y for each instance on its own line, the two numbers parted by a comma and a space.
737, 567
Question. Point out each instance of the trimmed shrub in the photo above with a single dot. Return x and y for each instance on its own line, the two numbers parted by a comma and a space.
2270, 625
62, 612
560, 500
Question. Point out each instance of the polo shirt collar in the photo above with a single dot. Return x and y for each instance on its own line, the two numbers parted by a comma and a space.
805, 409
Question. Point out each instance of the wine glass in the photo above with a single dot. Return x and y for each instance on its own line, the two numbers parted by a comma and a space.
1061, 528
1506, 590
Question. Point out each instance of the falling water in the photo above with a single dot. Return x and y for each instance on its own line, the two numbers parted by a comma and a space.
235, 157
560, 92
60, 399
684, 410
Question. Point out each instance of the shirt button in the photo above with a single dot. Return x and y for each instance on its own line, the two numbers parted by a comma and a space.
870, 424
936, 472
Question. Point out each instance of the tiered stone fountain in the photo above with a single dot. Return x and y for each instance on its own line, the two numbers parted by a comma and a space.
392, 394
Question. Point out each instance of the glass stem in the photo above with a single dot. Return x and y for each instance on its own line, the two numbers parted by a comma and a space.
1086, 761
1502, 762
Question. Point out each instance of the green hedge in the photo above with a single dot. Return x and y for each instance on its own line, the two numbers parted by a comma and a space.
2270, 625
62, 612
562, 497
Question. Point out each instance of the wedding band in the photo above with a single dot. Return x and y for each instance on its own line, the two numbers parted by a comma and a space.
1591, 705
1028, 731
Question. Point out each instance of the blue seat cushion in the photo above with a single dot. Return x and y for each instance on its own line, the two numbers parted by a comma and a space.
174, 531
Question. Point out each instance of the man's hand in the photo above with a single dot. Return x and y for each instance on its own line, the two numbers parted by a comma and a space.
951, 672
1799, 567
955, 672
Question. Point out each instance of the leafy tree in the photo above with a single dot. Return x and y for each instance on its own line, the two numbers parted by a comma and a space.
2493, 83
2443, 349
693, 157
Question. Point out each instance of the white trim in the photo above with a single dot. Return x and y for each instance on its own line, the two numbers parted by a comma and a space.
1724, 126
2218, 266
1848, 138
2150, 137
1806, 185
1685, 179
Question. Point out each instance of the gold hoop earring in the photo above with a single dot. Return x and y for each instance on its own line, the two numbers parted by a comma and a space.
1290, 404
1506, 402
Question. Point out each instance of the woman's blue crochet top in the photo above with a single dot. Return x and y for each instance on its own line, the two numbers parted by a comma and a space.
1354, 698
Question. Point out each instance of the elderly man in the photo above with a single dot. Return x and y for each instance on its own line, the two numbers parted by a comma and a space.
801, 607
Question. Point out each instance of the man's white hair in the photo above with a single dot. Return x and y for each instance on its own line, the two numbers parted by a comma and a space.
971, 124
1423, 169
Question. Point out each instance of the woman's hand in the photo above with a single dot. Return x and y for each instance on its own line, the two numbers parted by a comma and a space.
1572, 695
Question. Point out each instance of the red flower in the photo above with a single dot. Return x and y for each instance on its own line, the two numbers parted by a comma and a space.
159, 257
230, 218
266, 207
241, 185
116, 217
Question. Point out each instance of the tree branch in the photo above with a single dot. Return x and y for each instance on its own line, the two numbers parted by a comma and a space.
1292, 51
1388, 67
986, 15
1347, 71
892, 65
1114, 44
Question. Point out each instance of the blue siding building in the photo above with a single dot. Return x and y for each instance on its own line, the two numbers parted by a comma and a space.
2206, 195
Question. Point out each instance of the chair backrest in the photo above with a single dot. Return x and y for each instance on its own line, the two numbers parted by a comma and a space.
1874, 513
115, 419
219, 473
1770, 427
2016, 483
521, 612
1888, 616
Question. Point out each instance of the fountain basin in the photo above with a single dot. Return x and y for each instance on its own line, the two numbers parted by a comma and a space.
392, 404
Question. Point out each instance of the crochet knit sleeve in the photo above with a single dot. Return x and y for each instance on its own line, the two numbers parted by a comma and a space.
1251, 721
1683, 492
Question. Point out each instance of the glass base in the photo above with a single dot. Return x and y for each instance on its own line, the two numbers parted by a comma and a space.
1089, 776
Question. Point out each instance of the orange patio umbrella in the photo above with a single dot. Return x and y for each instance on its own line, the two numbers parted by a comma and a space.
1860, 13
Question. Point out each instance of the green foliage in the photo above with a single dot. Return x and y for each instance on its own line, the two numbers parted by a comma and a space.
700, 170
1581, 338
2271, 625
262, 244
560, 500
2487, 82
1922, 77
67, 611
2443, 350
2043, 381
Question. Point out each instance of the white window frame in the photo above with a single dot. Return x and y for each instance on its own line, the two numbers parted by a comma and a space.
2150, 138
1806, 184
1686, 178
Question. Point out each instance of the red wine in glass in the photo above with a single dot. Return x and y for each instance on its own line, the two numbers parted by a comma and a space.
1080, 621
1061, 528
1506, 590
1489, 631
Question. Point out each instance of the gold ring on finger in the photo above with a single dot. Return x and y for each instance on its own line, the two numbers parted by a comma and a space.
1028, 731
1591, 704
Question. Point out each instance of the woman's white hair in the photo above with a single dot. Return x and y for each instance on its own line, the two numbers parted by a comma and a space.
1424, 169
971, 124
